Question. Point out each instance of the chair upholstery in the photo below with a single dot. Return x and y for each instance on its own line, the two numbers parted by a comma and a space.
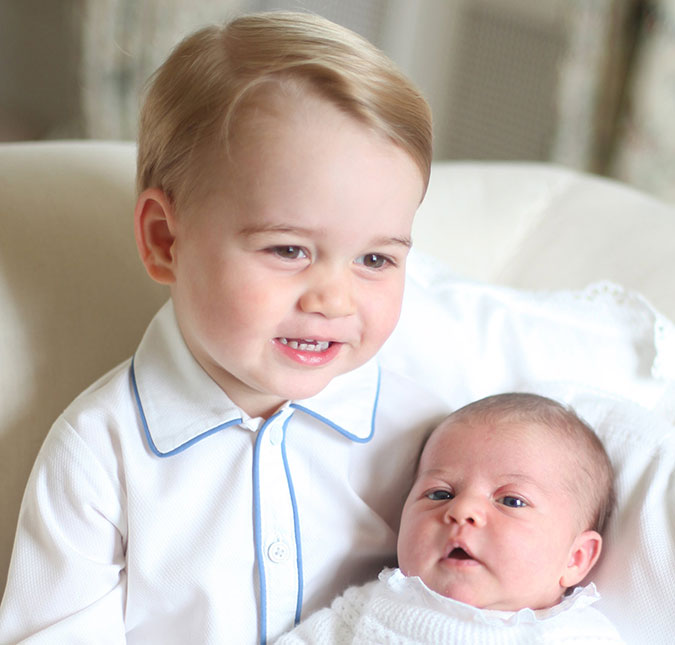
75, 298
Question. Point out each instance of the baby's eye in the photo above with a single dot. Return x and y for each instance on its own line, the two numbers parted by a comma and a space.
439, 495
373, 260
289, 252
512, 502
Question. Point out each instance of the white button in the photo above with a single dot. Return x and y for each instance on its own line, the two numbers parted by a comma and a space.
278, 551
276, 435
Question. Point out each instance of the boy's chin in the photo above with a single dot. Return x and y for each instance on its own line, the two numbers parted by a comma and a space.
302, 393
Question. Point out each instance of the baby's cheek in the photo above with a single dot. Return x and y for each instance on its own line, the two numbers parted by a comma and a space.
410, 545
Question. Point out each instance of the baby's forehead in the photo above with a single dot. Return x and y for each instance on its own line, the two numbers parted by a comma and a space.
495, 429
526, 444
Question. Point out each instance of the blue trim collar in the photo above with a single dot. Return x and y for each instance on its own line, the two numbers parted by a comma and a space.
180, 405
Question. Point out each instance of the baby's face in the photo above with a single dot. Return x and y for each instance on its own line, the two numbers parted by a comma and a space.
490, 520
291, 272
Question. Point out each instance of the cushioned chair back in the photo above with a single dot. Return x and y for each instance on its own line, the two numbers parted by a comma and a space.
74, 296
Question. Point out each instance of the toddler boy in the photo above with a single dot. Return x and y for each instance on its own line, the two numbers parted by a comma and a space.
505, 516
231, 476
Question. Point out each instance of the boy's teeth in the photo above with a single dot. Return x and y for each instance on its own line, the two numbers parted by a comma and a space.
306, 345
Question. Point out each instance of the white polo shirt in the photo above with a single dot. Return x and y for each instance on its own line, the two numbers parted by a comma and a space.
157, 512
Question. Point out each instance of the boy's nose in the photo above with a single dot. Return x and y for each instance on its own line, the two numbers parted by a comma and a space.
464, 510
329, 295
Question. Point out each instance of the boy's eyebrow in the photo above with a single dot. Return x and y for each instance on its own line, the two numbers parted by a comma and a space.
299, 230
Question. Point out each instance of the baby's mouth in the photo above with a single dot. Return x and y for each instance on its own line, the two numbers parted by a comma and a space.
458, 553
306, 344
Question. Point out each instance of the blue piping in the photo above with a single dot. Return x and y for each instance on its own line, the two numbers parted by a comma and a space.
296, 525
342, 431
257, 530
146, 429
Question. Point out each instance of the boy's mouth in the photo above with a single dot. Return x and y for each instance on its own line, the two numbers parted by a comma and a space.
306, 344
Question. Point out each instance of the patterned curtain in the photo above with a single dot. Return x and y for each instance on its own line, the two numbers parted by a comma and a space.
591, 89
645, 146
123, 42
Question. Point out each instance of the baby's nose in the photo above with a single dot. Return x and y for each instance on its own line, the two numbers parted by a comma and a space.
465, 510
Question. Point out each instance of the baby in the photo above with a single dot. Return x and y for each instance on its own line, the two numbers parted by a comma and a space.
504, 518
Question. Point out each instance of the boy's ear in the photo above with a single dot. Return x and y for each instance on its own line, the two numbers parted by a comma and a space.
583, 555
154, 228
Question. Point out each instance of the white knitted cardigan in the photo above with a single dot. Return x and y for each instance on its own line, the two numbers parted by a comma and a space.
397, 609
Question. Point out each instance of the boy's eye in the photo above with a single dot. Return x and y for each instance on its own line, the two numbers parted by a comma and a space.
373, 260
439, 495
512, 502
289, 252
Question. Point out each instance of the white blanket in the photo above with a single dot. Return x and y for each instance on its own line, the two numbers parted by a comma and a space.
605, 351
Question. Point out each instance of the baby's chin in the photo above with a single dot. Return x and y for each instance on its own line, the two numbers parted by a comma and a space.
475, 597
511, 604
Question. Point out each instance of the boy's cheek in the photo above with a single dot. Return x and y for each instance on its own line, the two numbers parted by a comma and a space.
389, 306
381, 329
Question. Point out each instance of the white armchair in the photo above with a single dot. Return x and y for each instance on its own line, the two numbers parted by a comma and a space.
75, 298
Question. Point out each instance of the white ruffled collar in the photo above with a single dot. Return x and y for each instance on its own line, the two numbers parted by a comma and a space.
418, 593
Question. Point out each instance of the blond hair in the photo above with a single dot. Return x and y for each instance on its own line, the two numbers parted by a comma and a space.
593, 478
190, 105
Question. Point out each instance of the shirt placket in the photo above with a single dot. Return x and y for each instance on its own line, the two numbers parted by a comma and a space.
278, 549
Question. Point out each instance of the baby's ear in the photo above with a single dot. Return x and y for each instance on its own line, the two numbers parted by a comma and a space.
583, 555
154, 227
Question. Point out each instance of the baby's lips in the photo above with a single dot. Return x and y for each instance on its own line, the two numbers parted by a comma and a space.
459, 551
459, 554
